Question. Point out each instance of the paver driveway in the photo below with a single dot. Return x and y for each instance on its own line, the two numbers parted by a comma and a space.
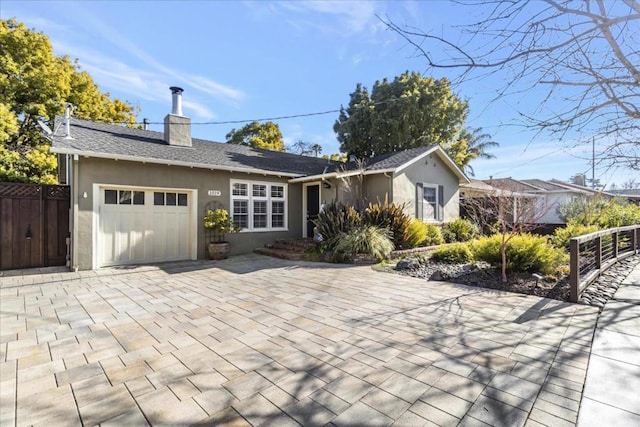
255, 340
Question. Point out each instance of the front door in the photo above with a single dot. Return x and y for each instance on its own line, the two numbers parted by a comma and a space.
313, 207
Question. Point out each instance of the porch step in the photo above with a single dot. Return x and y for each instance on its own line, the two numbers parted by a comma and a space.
293, 244
292, 249
281, 253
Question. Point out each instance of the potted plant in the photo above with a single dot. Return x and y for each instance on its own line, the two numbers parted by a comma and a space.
220, 223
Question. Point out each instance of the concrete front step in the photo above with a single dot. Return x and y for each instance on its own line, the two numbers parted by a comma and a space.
281, 253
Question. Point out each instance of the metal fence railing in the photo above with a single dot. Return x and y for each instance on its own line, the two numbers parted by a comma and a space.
594, 253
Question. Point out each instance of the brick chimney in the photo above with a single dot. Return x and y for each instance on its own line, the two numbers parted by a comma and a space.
177, 128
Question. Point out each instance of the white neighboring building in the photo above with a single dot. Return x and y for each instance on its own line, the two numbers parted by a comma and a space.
549, 194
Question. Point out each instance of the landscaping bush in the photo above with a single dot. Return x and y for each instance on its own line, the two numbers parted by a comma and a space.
460, 230
619, 214
561, 236
362, 239
416, 233
525, 253
458, 252
603, 213
433, 236
336, 218
390, 216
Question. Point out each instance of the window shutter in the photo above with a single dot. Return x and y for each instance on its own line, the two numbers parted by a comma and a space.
419, 200
440, 203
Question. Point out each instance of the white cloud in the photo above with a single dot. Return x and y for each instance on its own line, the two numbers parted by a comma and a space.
200, 110
148, 80
345, 18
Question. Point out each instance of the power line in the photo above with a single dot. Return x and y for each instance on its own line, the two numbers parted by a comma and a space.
228, 122
264, 119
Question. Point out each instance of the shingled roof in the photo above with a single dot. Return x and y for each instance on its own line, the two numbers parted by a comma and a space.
391, 162
118, 142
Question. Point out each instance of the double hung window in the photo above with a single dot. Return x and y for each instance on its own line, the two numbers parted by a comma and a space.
259, 206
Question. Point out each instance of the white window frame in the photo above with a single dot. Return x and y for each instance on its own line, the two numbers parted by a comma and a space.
269, 199
435, 204
439, 213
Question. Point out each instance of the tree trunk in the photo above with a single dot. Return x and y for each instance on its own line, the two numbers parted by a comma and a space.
503, 250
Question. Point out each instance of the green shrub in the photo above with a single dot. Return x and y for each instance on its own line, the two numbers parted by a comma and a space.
454, 253
460, 230
362, 239
619, 214
604, 213
390, 216
561, 236
336, 218
434, 236
416, 233
525, 253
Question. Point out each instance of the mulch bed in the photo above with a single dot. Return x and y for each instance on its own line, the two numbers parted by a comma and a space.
522, 283
484, 276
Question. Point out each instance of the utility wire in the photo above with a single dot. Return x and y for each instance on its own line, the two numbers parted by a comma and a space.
226, 122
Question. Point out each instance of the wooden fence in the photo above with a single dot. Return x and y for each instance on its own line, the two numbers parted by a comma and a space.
34, 225
593, 253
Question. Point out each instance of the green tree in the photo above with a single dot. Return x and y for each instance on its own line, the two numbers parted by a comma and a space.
410, 111
258, 135
335, 157
35, 85
469, 145
317, 149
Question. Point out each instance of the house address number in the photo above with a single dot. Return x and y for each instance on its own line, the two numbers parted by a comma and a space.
214, 193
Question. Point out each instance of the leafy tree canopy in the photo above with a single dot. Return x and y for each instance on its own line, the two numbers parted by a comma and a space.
35, 85
335, 157
258, 135
408, 112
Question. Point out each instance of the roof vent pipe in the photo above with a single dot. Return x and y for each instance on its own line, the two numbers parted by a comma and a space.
145, 124
67, 120
176, 100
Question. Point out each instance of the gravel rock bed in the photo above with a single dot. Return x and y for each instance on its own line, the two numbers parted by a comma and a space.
483, 275
605, 286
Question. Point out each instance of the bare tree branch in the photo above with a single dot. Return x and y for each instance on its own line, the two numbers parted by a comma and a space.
585, 53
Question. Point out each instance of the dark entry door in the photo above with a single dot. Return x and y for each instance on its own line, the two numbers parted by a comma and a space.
313, 207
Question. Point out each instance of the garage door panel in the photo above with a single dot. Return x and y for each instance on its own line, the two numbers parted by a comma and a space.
137, 237
137, 233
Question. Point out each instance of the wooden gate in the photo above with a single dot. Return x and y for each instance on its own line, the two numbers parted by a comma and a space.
34, 225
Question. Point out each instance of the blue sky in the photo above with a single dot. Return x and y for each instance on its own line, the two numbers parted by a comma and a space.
252, 60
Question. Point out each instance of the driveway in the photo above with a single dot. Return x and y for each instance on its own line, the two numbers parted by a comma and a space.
259, 341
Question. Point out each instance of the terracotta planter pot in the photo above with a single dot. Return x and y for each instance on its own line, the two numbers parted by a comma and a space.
218, 250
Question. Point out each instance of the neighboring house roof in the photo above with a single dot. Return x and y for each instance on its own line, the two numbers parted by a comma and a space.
631, 193
511, 184
626, 192
529, 186
479, 187
545, 185
390, 163
118, 142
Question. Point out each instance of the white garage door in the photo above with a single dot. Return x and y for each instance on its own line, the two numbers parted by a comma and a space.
137, 225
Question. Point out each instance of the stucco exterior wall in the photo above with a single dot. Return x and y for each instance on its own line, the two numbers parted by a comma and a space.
547, 207
377, 187
92, 171
429, 170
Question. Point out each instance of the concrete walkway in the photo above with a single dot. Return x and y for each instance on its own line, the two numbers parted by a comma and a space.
259, 341
612, 390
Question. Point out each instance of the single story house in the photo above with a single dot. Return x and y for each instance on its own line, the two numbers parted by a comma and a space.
139, 196
632, 195
548, 195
